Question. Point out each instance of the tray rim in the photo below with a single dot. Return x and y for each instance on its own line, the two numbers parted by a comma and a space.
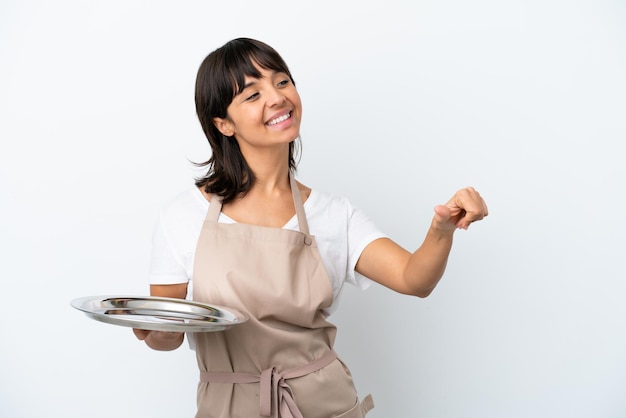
135, 322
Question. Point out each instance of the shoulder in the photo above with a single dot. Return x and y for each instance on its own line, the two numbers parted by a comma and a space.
336, 214
188, 205
320, 202
188, 199
329, 214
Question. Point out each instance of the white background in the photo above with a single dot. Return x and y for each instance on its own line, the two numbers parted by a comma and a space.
405, 102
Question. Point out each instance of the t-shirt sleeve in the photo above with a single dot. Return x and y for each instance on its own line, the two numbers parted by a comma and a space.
166, 267
361, 232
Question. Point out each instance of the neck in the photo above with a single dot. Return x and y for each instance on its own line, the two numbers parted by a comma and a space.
271, 169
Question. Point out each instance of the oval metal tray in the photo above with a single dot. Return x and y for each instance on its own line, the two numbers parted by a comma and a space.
159, 313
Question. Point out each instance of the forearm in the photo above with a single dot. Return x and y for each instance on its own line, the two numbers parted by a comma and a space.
427, 264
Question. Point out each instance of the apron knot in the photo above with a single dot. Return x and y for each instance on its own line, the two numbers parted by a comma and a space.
275, 391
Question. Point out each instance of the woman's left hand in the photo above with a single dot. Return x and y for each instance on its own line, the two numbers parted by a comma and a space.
465, 207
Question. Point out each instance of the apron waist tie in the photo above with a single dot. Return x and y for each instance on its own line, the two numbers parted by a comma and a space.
274, 389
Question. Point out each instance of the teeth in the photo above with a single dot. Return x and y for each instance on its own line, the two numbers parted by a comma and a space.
279, 119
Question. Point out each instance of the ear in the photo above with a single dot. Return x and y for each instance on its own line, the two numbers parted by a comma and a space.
224, 126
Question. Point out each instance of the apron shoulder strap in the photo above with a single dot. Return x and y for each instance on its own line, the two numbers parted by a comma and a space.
297, 201
215, 208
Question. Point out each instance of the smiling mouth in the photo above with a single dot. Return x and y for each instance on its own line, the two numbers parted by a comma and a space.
279, 119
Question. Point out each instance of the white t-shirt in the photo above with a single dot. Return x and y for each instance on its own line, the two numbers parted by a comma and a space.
341, 232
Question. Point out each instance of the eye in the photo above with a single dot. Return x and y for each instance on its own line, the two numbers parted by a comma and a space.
283, 83
252, 97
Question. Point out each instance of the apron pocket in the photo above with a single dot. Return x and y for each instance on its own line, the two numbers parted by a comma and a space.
359, 410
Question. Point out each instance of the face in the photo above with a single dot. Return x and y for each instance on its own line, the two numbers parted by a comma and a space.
266, 113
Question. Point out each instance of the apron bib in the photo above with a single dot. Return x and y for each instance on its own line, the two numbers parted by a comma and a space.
279, 363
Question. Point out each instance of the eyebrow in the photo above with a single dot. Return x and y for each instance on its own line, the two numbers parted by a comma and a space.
245, 86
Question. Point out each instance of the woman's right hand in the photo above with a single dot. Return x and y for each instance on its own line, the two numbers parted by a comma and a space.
163, 340
160, 340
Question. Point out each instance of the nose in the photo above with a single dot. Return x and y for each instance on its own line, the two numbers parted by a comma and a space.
274, 97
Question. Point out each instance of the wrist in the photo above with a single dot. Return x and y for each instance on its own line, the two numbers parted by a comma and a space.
441, 230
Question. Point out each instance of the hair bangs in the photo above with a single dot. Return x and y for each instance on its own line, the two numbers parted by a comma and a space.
245, 58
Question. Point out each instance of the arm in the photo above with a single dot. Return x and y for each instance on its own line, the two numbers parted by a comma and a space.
418, 273
160, 340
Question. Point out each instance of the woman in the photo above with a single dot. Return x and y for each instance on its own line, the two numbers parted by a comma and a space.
251, 237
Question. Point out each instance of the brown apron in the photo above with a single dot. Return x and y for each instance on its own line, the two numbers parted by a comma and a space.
280, 363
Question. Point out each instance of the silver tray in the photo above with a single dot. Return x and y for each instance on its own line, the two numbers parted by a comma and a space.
159, 313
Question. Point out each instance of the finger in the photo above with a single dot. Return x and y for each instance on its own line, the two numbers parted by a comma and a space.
466, 221
168, 335
476, 197
141, 334
444, 218
474, 211
443, 213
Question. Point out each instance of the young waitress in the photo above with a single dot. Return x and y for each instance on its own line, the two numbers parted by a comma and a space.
251, 237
